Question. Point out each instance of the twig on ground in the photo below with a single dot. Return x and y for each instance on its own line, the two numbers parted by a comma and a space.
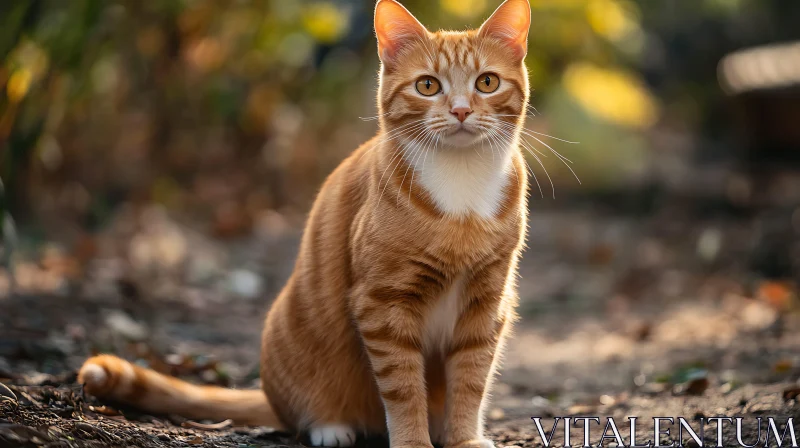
208, 427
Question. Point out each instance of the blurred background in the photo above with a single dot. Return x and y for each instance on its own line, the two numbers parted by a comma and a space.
158, 159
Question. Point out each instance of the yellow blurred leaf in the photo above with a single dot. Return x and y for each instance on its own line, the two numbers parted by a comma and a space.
464, 8
325, 22
18, 85
30, 56
611, 19
611, 94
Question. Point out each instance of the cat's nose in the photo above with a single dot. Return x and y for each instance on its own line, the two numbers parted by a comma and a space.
461, 112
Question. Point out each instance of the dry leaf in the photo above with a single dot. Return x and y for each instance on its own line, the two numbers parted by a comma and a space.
777, 294
697, 387
601, 254
791, 393
782, 366
580, 409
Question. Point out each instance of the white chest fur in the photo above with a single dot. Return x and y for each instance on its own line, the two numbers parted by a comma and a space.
442, 318
465, 180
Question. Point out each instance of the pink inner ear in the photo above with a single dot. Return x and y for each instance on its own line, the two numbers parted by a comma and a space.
510, 23
395, 27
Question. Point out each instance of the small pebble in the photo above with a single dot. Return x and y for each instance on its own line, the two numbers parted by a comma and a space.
539, 401
125, 326
607, 400
245, 284
496, 414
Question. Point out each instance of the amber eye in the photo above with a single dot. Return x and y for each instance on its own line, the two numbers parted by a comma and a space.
428, 86
487, 83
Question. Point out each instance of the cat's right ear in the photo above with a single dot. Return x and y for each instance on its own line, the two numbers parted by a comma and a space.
395, 28
510, 23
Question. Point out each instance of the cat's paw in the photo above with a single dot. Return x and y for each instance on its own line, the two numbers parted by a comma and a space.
332, 435
475, 443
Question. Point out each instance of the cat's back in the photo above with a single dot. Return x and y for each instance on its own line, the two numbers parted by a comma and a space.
308, 327
345, 189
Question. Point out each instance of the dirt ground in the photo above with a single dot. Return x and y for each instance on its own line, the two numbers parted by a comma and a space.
667, 315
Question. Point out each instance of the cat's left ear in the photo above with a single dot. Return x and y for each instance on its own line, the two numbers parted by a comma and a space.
395, 28
510, 23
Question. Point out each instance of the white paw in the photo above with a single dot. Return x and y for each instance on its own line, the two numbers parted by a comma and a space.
332, 435
477, 443
485, 443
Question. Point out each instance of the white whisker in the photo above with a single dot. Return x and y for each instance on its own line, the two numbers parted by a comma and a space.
411, 162
394, 134
399, 158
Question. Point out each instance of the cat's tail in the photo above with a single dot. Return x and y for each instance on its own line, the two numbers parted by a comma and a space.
112, 378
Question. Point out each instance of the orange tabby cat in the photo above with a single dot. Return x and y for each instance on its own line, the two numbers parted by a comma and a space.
404, 289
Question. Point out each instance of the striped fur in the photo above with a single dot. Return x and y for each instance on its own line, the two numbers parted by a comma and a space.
403, 292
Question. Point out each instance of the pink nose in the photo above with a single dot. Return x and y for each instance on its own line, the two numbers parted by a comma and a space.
461, 112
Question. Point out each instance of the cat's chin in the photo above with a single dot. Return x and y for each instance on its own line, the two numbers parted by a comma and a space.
462, 138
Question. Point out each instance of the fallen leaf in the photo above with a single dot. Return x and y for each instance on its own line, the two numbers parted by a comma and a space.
791, 393
601, 254
580, 409
782, 366
697, 387
777, 294
197, 440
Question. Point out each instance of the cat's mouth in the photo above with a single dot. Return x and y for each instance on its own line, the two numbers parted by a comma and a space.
460, 129
461, 135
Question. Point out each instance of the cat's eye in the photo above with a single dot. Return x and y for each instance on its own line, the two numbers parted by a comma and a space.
428, 86
487, 82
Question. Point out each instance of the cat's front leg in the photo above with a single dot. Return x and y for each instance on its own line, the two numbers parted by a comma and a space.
471, 358
388, 319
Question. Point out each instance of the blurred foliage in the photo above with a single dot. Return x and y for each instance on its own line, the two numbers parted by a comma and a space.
222, 109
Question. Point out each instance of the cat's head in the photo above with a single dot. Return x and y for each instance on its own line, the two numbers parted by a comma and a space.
455, 88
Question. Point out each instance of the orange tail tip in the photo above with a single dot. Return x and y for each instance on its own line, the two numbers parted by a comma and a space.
109, 377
